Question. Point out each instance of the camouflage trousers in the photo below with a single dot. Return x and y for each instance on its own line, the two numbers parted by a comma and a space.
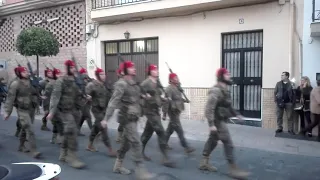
57, 126
67, 121
77, 117
46, 113
99, 114
130, 140
175, 126
25, 120
154, 124
223, 135
85, 116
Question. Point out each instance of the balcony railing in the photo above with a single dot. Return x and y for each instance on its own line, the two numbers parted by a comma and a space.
111, 3
315, 11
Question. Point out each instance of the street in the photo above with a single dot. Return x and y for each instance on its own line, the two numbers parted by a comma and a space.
264, 165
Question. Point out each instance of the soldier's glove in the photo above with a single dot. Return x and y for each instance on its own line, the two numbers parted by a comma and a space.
49, 117
213, 128
104, 124
6, 116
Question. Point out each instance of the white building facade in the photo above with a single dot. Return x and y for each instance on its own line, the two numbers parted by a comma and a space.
254, 39
311, 40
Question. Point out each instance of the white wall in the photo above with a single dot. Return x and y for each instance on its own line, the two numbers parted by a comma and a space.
311, 46
191, 44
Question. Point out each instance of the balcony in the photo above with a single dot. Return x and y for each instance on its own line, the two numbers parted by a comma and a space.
315, 24
106, 11
17, 6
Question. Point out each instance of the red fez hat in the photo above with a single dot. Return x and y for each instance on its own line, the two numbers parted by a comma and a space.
22, 69
82, 71
172, 75
69, 63
128, 64
98, 70
56, 71
221, 72
152, 67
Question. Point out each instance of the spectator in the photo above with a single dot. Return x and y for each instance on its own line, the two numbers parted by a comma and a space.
315, 110
284, 99
303, 99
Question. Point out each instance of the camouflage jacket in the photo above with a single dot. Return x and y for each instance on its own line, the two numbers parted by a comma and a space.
219, 105
100, 95
43, 83
66, 95
22, 95
47, 92
126, 97
176, 101
12, 80
150, 87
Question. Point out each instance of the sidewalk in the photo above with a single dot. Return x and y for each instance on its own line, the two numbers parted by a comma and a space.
242, 136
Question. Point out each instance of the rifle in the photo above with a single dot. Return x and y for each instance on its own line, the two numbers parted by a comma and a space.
33, 79
179, 86
52, 66
18, 63
45, 66
79, 80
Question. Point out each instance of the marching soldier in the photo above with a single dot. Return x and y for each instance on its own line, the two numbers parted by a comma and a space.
218, 110
85, 110
64, 98
48, 77
120, 127
126, 97
47, 93
18, 125
152, 106
100, 98
22, 93
174, 108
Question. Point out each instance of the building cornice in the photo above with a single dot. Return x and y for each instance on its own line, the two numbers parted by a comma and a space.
29, 5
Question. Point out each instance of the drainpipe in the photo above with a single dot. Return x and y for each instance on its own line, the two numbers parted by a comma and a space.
298, 37
291, 35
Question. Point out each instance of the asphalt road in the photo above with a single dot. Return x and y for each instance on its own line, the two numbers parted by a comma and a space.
263, 165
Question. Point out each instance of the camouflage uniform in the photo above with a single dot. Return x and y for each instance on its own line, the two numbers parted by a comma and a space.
18, 125
173, 108
120, 126
57, 125
64, 99
85, 110
100, 98
45, 104
22, 94
126, 97
218, 110
152, 112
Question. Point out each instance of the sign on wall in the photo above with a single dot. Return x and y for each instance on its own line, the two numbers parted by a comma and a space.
91, 64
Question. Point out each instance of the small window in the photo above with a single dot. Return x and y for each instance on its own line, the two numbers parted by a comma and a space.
138, 46
124, 47
111, 48
152, 45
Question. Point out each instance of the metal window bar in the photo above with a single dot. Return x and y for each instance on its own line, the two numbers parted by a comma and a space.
315, 11
110, 3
